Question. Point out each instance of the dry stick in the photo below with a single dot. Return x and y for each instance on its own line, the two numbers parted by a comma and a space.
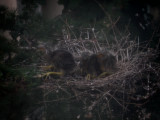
129, 50
49, 92
65, 37
88, 38
127, 54
69, 39
116, 100
112, 96
95, 38
122, 43
99, 116
109, 108
87, 35
66, 23
61, 99
106, 38
112, 24
127, 26
70, 29
81, 41
137, 104
96, 50
85, 40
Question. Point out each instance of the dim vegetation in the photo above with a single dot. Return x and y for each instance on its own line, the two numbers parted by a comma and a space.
111, 97
128, 93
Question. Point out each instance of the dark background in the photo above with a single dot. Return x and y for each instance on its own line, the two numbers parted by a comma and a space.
19, 94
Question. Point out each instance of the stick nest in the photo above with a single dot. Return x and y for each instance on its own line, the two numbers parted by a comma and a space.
136, 80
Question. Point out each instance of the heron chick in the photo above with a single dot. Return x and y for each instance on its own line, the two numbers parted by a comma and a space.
62, 61
100, 64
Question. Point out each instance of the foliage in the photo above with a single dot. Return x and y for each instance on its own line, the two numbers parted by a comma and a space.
7, 20
16, 70
82, 23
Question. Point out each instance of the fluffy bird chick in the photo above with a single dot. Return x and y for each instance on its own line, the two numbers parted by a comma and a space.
107, 62
62, 61
100, 64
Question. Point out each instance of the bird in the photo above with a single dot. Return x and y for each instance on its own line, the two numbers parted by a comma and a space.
61, 62
97, 65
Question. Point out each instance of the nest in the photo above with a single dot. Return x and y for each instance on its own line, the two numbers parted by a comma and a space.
136, 80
